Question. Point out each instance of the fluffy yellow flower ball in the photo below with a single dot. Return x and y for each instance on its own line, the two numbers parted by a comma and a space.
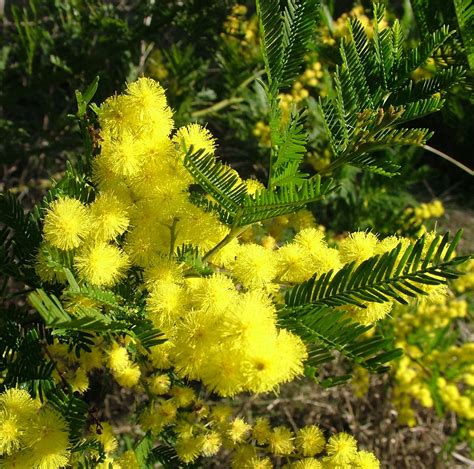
66, 223
101, 264
196, 136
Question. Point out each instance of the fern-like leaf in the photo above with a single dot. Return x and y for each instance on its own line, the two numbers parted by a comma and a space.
299, 20
393, 276
374, 93
218, 180
326, 330
269, 203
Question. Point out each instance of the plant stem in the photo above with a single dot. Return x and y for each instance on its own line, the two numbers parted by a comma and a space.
450, 159
216, 107
228, 101
173, 236
234, 232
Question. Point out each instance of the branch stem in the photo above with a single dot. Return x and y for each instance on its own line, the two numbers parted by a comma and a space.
450, 159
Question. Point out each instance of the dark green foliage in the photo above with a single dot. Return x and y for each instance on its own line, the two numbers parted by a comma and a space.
374, 94
395, 275
285, 38
328, 331
391, 276
238, 208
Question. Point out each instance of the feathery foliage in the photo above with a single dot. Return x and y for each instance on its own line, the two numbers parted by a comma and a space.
374, 93
394, 275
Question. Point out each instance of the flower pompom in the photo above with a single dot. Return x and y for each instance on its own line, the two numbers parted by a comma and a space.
48, 437
109, 217
254, 266
310, 440
196, 136
66, 223
101, 264
341, 448
358, 247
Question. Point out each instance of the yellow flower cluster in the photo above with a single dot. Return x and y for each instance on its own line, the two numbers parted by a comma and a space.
217, 332
31, 435
416, 216
340, 28
417, 328
242, 30
204, 429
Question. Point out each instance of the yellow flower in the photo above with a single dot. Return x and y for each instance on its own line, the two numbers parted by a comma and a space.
105, 434
254, 266
281, 441
18, 402
101, 264
366, 460
307, 463
188, 449
109, 217
10, 433
66, 223
358, 247
261, 430
48, 439
310, 440
128, 378
238, 430
196, 136
211, 443
159, 384
118, 359
341, 448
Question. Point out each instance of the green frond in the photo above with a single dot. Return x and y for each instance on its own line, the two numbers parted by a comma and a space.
368, 163
270, 21
269, 203
288, 174
465, 18
393, 276
291, 147
20, 234
99, 295
398, 41
327, 330
374, 93
54, 315
74, 410
421, 53
354, 75
208, 206
420, 108
218, 180
146, 334
285, 36
299, 21
423, 89
191, 256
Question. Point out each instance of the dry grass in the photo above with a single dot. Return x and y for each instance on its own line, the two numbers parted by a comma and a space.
371, 419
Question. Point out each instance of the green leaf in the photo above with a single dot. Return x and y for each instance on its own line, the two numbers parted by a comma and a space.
218, 180
374, 94
291, 148
83, 99
392, 276
326, 330
299, 21
288, 198
54, 315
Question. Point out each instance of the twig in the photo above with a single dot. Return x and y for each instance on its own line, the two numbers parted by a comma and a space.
450, 159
